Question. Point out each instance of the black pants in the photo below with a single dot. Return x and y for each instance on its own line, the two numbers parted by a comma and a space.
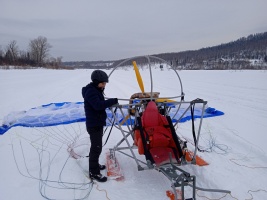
96, 134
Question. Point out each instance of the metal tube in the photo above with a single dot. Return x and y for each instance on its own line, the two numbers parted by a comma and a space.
199, 129
149, 62
211, 190
151, 78
125, 138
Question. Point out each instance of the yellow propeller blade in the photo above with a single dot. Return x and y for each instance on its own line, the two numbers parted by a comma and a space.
165, 100
138, 77
141, 84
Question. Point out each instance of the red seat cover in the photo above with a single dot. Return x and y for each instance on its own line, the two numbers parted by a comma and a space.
155, 127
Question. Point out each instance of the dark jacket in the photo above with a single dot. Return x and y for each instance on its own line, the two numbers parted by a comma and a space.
95, 105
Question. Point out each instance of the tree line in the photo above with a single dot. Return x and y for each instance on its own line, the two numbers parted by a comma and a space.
245, 53
36, 55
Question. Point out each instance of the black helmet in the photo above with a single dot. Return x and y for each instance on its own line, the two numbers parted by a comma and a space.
99, 76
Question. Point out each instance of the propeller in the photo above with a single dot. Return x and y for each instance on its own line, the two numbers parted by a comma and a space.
141, 84
138, 77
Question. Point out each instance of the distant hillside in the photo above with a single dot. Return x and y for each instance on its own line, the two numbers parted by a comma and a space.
245, 53
89, 64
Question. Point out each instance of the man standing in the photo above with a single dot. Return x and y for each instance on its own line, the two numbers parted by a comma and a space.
95, 106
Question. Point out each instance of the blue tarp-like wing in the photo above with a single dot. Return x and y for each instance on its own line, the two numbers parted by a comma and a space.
69, 112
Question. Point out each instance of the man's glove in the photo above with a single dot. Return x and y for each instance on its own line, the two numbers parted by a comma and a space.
115, 101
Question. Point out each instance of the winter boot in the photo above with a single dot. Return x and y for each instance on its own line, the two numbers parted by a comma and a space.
98, 177
102, 167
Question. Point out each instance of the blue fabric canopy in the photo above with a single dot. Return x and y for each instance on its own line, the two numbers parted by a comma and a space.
69, 112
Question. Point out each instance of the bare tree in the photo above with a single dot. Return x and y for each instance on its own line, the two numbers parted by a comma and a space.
39, 50
1, 52
1, 56
12, 51
55, 62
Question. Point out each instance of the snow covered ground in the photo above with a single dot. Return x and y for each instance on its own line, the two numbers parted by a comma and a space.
35, 163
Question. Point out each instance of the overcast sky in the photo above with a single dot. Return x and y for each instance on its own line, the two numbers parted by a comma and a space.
89, 30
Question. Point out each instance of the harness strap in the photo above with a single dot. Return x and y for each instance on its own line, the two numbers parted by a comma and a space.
175, 138
175, 154
146, 151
